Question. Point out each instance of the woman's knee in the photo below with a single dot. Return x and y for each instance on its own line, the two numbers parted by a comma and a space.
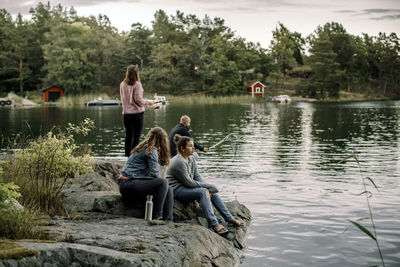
202, 192
162, 184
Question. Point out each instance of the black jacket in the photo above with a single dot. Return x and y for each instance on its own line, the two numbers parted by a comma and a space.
181, 130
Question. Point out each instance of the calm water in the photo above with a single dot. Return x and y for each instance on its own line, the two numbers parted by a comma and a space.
288, 170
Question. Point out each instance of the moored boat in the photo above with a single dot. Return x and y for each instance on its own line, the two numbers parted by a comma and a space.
282, 99
101, 102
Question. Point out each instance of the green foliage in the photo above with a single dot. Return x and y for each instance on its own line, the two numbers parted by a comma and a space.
69, 53
182, 53
326, 76
15, 222
286, 48
20, 224
42, 169
8, 191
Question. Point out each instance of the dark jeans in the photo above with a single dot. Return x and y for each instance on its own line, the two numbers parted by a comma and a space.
133, 129
163, 196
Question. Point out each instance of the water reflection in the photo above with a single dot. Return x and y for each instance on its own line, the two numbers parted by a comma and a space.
289, 170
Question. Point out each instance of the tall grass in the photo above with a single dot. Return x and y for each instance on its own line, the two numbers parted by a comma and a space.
76, 100
212, 99
368, 194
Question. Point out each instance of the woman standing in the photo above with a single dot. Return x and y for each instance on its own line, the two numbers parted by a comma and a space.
188, 185
140, 176
133, 105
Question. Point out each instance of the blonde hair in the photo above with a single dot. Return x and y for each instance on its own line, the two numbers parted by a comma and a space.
158, 138
184, 118
132, 75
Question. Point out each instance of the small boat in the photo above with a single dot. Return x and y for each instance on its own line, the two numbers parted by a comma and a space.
101, 102
282, 99
160, 99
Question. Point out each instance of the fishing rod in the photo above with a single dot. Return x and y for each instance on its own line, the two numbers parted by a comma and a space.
233, 140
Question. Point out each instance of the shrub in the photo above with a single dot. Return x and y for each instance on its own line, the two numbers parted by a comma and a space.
15, 223
42, 169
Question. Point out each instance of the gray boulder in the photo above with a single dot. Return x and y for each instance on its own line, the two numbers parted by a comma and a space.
100, 229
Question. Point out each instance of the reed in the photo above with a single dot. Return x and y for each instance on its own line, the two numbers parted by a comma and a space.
211, 99
368, 194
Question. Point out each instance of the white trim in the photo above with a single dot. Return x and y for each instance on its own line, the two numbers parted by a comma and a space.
258, 82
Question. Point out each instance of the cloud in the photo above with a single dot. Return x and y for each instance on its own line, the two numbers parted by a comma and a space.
380, 10
374, 13
346, 11
23, 7
256, 6
387, 17
382, 13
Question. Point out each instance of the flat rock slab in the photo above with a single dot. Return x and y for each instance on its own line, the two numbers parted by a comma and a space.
134, 242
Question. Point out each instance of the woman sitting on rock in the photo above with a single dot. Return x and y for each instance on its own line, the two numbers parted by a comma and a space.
140, 176
188, 185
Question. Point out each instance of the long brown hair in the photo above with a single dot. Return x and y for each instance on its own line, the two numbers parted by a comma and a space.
132, 75
181, 141
158, 138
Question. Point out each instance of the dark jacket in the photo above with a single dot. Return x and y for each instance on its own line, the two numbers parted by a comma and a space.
183, 131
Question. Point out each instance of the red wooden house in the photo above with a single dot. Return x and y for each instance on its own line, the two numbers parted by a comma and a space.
255, 89
52, 93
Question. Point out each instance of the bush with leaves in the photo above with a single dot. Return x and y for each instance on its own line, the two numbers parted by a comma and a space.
44, 166
15, 223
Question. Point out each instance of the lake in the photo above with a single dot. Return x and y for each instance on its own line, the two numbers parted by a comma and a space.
289, 164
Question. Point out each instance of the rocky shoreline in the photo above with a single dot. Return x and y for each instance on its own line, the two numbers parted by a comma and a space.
101, 230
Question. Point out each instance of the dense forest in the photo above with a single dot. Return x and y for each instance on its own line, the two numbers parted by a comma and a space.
183, 53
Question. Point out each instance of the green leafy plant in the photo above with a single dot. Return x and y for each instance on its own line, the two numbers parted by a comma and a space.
368, 194
15, 221
44, 166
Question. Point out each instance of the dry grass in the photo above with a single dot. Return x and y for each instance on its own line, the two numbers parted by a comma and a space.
11, 250
211, 99
79, 100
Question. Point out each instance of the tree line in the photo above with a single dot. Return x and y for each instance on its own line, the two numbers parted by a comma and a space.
182, 53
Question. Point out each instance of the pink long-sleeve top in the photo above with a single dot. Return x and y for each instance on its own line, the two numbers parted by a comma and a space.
132, 98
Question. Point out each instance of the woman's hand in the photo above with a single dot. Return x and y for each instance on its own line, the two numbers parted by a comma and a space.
150, 103
208, 193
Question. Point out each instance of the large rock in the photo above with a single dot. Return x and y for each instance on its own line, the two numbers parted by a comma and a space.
101, 229
166, 244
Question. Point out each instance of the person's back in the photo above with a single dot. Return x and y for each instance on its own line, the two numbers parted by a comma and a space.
142, 165
182, 129
178, 129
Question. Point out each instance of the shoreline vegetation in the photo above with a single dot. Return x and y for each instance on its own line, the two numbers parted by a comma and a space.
182, 53
208, 98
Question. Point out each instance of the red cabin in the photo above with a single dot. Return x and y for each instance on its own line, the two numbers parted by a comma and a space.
53, 93
255, 89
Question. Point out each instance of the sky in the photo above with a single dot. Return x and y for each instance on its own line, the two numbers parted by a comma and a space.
253, 20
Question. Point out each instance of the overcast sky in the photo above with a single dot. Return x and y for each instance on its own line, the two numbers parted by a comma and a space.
251, 19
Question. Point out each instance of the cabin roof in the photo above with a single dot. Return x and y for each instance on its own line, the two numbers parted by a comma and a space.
252, 83
52, 87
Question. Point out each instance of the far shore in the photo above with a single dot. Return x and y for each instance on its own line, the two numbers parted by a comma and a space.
79, 100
